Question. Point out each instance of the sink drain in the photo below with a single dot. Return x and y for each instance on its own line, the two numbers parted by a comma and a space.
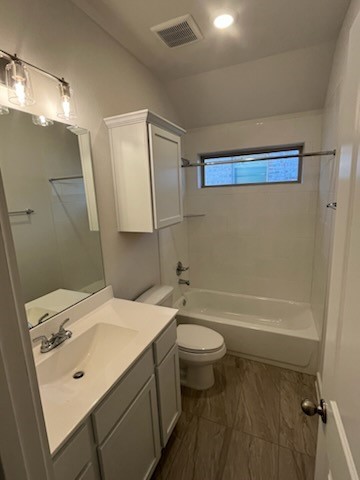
78, 374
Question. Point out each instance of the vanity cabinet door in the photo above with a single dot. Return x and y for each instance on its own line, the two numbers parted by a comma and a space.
132, 449
75, 455
169, 394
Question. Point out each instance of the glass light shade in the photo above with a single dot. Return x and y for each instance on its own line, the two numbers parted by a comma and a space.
67, 108
42, 121
18, 84
223, 21
4, 110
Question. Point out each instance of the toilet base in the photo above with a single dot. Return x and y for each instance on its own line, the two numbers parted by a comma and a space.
198, 377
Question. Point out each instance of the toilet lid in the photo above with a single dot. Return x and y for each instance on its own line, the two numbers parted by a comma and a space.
196, 338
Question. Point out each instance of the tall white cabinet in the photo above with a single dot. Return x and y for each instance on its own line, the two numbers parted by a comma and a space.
146, 162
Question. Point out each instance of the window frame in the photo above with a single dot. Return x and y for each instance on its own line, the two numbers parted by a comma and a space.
252, 151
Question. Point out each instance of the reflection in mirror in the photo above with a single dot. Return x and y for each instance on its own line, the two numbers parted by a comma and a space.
49, 188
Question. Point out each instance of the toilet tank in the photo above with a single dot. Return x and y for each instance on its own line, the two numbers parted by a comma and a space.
158, 295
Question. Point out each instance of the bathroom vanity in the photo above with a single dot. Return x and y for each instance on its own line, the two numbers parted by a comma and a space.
113, 421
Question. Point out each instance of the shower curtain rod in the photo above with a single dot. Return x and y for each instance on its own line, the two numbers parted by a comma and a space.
187, 162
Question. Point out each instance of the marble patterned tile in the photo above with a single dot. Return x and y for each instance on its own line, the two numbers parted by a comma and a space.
170, 451
259, 403
250, 458
198, 457
262, 403
295, 466
297, 431
219, 403
298, 377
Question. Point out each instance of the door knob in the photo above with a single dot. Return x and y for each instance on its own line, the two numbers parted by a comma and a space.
310, 409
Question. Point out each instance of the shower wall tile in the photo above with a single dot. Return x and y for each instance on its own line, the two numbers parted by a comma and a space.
255, 240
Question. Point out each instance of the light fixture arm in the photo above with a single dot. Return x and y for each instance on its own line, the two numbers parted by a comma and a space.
15, 58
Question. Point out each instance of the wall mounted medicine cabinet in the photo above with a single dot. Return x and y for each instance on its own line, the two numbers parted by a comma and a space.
146, 162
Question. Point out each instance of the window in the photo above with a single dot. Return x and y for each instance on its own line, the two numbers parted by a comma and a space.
279, 170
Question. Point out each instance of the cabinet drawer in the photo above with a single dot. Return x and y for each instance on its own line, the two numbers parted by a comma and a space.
165, 343
77, 452
122, 395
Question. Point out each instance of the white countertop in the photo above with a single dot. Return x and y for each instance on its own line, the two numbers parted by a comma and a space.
67, 402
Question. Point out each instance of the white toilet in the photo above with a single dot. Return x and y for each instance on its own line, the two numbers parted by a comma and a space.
199, 347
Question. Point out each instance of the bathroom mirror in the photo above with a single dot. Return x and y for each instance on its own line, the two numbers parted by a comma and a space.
48, 181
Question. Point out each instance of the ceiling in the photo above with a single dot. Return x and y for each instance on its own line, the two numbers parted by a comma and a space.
262, 28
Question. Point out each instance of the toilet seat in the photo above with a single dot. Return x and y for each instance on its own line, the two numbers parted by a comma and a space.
196, 339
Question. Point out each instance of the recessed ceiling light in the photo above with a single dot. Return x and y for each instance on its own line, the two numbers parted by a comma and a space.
223, 21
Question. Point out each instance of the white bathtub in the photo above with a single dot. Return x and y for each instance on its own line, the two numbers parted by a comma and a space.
279, 332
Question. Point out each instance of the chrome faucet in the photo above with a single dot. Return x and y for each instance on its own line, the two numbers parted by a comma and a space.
56, 339
183, 282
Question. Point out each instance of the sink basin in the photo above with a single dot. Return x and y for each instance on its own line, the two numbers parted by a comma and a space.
91, 352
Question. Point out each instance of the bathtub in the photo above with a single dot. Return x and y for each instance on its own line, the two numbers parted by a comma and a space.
278, 332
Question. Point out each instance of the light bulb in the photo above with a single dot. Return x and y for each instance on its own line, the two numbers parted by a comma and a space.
20, 92
66, 108
223, 21
19, 84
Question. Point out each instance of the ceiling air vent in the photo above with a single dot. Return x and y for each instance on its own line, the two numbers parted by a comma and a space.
179, 31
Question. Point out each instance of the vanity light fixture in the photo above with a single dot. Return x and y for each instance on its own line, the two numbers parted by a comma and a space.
18, 83
223, 21
19, 87
42, 121
66, 108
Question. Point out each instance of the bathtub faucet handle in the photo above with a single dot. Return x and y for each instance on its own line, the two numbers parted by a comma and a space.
180, 268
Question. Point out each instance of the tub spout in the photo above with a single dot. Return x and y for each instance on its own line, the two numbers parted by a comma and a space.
183, 282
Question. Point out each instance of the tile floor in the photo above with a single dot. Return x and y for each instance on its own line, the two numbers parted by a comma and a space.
249, 426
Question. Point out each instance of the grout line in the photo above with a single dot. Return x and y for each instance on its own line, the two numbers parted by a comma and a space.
224, 453
299, 453
256, 436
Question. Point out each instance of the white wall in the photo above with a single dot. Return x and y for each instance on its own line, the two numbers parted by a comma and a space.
58, 37
328, 178
289, 82
339, 370
255, 240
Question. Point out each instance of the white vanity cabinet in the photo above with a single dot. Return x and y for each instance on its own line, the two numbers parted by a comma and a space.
124, 435
146, 162
126, 425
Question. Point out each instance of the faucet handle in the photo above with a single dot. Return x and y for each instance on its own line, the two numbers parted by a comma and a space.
61, 328
180, 268
44, 340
